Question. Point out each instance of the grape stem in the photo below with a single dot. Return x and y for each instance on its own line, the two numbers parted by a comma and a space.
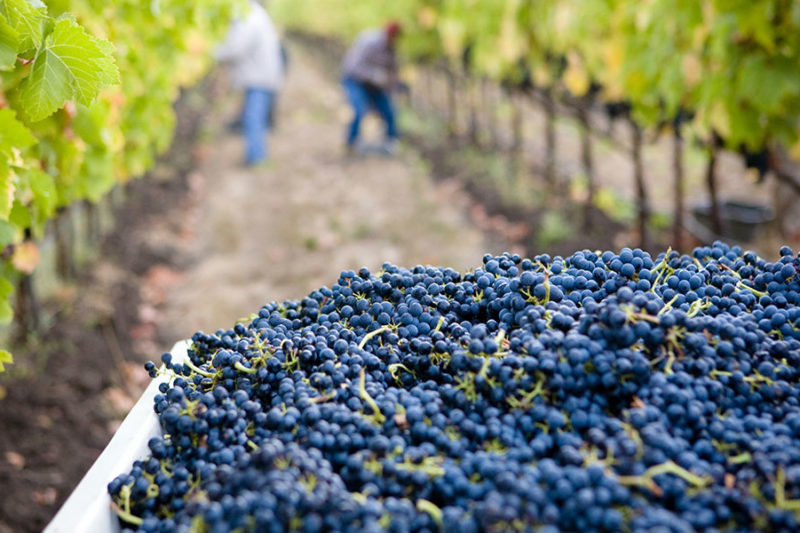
324, 398
741, 285
197, 370
432, 509
362, 391
669, 467
241, 368
124, 512
371, 334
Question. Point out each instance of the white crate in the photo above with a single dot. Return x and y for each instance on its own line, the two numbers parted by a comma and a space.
88, 508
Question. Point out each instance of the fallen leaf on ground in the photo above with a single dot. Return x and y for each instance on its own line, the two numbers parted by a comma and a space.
44, 421
45, 497
15, 459
121, 401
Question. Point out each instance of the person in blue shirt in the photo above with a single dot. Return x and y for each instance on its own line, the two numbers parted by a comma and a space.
369, 73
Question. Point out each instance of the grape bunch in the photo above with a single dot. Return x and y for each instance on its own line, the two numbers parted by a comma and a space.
599, 392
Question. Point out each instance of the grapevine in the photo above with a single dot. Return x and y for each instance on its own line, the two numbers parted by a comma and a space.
86, 94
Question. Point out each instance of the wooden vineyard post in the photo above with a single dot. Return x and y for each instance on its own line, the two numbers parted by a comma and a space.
472, 103
679, 187
516, 123
452, 104
489, 111
26, 308
93, 230
517, 141
711, 183
64, 238
587, 161
642, 203
550, 139
427, 77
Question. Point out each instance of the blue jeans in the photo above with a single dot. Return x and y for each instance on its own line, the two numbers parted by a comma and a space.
257, 103
364, 97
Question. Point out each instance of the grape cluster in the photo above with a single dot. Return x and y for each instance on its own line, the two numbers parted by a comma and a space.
599, 392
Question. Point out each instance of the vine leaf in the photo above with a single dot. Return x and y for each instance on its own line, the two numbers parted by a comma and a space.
45, 195
13, 137
26, 18
13, 133
70, 65
5, 357
7, 188
9, 44
7, 233
6, 312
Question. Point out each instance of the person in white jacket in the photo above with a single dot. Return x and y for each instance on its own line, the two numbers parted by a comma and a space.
252, 47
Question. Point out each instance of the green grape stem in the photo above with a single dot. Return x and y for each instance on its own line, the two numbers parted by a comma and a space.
372, 334
362, 391
197, 370
432, 509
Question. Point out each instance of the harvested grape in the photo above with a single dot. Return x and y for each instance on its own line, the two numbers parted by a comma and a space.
597, 392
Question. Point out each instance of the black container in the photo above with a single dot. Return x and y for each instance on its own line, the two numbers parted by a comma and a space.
740, 221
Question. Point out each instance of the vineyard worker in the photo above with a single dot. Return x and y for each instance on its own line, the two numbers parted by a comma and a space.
369, 73
253, 49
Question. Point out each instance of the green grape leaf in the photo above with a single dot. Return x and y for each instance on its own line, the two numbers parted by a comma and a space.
97, 173
6, 289
7, 188
767, 82
9, 44
13, 133
45, 194
91, 124
7, 233
5, 356
71, 64
19, 215
6, 311
27, 19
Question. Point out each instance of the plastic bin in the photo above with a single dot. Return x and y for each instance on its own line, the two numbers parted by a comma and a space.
741, 222
88, 508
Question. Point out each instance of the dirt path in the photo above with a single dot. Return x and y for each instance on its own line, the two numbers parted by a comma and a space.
278, 232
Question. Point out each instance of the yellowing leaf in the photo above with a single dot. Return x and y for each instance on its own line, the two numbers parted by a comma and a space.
510, 43
542, 76
7, 188
426, 17
576, 78
26, 257
795, 151
719, 120
5, 358
614, 55
452, 33
692, 69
